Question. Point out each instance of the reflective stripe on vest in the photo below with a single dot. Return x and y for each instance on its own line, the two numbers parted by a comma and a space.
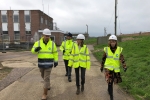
112, 62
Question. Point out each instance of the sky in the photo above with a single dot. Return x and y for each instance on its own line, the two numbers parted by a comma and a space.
75, 15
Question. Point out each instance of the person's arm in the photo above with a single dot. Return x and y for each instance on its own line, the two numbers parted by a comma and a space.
88, 58
123, 62
62, 47
33, 50
103, 61
71, 57
55, 53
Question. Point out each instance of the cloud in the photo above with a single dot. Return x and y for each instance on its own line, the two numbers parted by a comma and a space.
73, 15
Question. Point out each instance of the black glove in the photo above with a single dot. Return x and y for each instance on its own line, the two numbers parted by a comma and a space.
55, 64
125, 69
63, 51
37, 49
101, 69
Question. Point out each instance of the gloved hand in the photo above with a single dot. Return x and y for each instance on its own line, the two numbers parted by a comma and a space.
101, 69
55, 64
125, 69
63, 51
37, 49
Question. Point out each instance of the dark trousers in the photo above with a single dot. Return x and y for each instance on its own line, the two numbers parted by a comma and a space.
110, 84
83, 70
68, 69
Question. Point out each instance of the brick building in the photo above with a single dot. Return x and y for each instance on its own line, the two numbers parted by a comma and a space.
19, 26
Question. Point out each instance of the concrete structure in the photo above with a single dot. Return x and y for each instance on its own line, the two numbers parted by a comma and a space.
18, 26
104, 40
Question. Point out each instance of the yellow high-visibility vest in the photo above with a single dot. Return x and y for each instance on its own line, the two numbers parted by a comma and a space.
112, 61
47, 55
79, 57
67, 46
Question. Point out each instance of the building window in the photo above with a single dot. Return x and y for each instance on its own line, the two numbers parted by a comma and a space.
16, 32
5, 32
28, 32
41, 20
16, 18
4, 18
16, 35
6, 37
27, 12
46, 22
27, 18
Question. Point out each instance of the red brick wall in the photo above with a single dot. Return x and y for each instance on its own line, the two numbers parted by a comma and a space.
36, 25
10, 24
22, 26
58, 37
35, 21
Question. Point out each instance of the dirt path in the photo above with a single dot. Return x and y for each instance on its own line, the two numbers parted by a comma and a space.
29, 87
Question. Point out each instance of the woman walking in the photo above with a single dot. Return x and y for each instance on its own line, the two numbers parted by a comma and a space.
111, 60
80, 60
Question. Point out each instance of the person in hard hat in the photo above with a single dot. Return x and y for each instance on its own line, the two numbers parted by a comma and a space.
111, 62
46, 51
80, 60
66, 48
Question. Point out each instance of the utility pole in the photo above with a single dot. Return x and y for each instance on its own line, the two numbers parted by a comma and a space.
87, 28
116, 2
105, 33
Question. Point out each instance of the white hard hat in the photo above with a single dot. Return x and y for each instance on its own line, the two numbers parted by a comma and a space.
46, 31
112, 37
81, 36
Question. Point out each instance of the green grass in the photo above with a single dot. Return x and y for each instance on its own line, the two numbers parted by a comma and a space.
90, 40
136, 81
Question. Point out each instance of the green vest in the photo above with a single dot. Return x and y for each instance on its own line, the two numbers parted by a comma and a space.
67, 46
112, 61
79, 57
47, 55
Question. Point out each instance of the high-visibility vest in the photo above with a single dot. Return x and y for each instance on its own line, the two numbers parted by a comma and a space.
112, 61
47, 55
67, 46
79, 57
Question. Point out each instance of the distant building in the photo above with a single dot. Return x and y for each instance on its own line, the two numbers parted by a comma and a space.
18, 26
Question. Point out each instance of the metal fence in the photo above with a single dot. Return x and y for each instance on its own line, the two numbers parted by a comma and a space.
6, 44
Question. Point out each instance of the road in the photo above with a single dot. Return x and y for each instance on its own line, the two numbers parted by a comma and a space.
30, 85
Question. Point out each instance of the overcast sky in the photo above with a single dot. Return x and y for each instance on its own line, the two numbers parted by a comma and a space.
73, 15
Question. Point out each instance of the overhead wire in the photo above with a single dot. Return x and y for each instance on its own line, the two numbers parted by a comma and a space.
110, 20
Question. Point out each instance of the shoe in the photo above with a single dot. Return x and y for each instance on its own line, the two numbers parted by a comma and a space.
66, 74
82, 88
44, 98
69, 79
111, 97
78, 90
48, 88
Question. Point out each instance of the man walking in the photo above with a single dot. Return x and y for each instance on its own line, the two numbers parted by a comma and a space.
46, 51
66, 48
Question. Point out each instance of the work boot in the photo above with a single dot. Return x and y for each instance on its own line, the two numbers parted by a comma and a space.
66, 74
111, 97
82, 88
78, 90
69, 79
